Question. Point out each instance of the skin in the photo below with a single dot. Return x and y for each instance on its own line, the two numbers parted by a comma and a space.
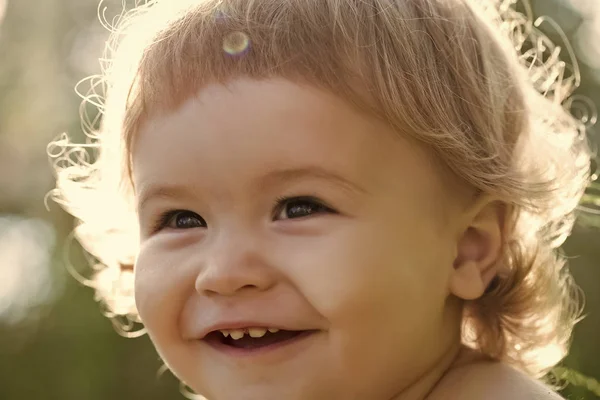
378, 263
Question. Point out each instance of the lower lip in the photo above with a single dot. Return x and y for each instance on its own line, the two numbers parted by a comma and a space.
294, 343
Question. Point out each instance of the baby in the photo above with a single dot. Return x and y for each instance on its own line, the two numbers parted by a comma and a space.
335, 199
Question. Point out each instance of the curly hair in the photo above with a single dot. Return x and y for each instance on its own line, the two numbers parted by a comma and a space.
475, 81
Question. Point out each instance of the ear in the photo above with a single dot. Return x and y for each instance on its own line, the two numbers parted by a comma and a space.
479, 247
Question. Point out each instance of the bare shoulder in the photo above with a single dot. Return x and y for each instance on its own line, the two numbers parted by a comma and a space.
490, 381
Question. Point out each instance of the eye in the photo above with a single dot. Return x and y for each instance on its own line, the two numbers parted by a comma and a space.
180, 219
299, 207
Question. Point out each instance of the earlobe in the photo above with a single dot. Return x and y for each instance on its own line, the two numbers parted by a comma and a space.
479, 248
467, 281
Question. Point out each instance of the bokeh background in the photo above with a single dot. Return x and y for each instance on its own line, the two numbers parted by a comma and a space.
54, 341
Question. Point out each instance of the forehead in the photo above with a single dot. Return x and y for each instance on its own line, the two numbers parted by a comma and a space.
249, 128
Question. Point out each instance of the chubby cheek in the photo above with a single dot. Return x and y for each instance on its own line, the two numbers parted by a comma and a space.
160, 290
353, 270
374, 280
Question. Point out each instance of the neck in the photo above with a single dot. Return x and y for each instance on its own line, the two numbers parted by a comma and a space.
423, 386
452, 354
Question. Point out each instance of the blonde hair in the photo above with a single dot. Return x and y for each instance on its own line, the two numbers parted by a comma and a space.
474, 81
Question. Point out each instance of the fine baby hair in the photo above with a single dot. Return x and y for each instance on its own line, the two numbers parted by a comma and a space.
474, 81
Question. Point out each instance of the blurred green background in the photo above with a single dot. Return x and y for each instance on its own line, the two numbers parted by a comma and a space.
54, 341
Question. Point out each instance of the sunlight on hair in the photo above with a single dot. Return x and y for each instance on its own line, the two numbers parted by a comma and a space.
551, 354
236, 43
27, 281
116, 287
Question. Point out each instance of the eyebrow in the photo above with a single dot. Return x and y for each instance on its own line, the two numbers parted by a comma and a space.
290, 174
174, 191
167, 191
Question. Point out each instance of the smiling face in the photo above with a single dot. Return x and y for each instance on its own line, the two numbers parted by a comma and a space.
269, 204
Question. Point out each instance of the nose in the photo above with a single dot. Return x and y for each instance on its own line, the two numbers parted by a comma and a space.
234, 264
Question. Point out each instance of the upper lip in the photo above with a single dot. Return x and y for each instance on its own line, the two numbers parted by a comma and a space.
229, 325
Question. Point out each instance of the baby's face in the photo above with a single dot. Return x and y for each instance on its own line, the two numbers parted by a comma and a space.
284, 208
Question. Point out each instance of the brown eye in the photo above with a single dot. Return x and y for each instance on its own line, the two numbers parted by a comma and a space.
180, 220
300, 207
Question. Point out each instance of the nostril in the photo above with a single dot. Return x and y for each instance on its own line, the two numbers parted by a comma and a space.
228, 291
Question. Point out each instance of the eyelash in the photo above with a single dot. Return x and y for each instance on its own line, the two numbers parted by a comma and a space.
282, 202
165, 218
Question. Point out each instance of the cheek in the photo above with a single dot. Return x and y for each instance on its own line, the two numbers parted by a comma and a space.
160, 286
363, 267
373, 281
347, 271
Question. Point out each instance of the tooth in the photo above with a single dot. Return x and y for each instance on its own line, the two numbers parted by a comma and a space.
273, 330
225, 332
257, 332
236, 334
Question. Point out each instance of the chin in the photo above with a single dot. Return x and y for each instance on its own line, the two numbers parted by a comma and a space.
268, 392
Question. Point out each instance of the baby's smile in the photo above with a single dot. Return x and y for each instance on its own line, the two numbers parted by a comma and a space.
249, 341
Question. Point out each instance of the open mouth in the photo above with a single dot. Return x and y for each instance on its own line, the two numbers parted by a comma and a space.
253, 338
